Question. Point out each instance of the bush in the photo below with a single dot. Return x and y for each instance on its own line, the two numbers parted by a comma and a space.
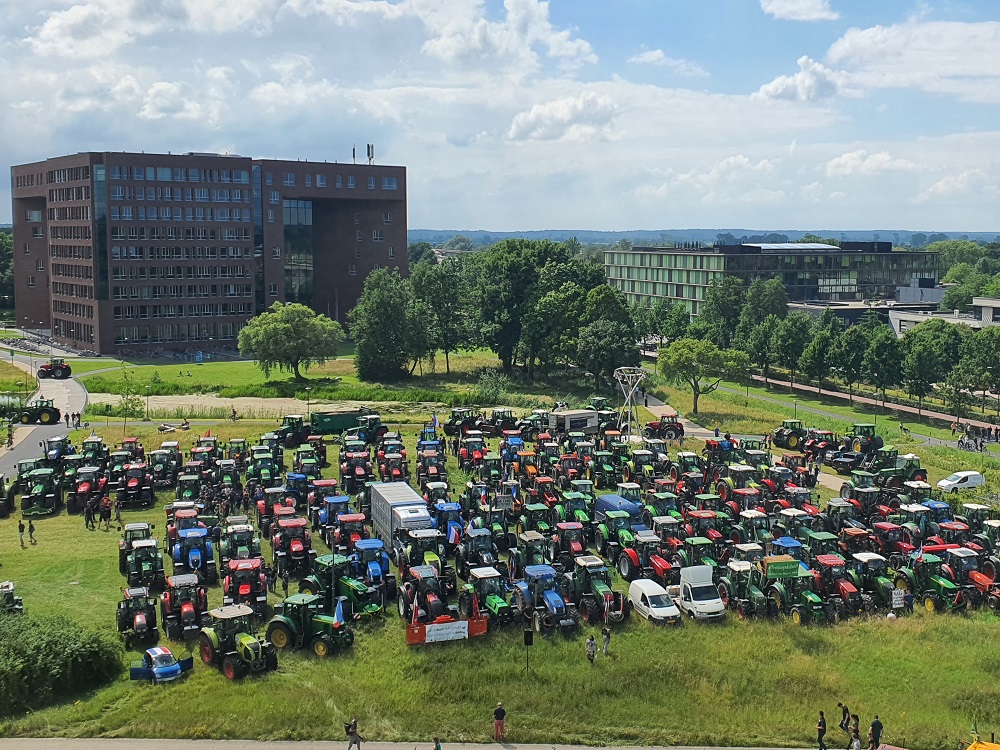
44, 659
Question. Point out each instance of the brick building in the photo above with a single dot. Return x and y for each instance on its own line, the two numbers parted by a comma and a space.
117, 251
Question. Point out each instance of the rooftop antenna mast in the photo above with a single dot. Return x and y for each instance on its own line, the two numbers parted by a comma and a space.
629, 380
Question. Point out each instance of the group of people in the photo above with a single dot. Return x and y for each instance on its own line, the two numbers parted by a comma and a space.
851, 724
98, 511
75, 418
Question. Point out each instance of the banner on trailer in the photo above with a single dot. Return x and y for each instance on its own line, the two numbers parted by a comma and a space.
447, 631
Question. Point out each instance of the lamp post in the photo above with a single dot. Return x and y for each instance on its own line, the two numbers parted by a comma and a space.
308, 403
147, 403
795, 409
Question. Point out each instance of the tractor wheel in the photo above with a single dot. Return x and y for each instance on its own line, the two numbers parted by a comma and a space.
994, 603
206, 650
868, 602
536, 622
931, 604
322, 646
232, 667
47, 416
626, 568
856, 445
280, 635
465, 606
671, 434
25, 418
42, 373
405, 607
793, 442
798, 616
904, 584
348, 639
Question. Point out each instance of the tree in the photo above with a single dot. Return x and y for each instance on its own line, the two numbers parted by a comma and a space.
954, 391
952, 252
459, 243
606, 302
847, 355
605, 345
789, 340
290, 338
758, 345
720, 311
881, 365
441, 287
380, 325
418, 252
700, 365
6, 268
668, 320
815, 359
763, 298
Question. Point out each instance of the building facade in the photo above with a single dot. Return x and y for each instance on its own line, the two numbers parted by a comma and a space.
119, 251
810, 271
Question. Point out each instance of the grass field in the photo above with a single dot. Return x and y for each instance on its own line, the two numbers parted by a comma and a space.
928, 677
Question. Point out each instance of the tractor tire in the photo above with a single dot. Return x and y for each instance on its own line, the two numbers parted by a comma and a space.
856, 445
348, 639
465, 606
232, 667
280, 635
42, 374
537, 622
932, 604
405, 606
47, 416
207, 651
591, 612
878, 442
993, 602
322, 646
725, 594
627, 569
671, 434
793, 442
61, 373
799, 616
25, 418
868, 603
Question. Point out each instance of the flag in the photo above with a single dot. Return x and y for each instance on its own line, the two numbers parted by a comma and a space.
469, 528
920, 553
513, 491
415, 620
435, 421
208, 432
453, 536
482, 496
338, 615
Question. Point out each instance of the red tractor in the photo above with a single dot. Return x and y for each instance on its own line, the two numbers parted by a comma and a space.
184, 518
245, 583
136, 487
348, 530
55, 368
184, 607
665, 428
544, 491
355, 471
842, 597
292, 546
393, 468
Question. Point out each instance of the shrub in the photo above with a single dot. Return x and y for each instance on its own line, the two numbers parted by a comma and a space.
44, 659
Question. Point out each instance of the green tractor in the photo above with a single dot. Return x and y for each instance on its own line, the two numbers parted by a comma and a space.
41, 411
588, 586
656, 504
574, 507
188, 487
44, 493
131, 533
237, 541
641, 467
293, 430
490, 470
906, 469
923, 577
144, 564
495, 519
530, 550
299, 621
486, 591
602, 470
424, 547
613, 534
790, 435
230, 643
861, 438
870, 575
791, 590
739, 590
816, 543
534, 517
696, 550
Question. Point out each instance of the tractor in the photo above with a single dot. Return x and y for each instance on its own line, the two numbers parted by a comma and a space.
229, 475
306, 462
685, 462
645, 560
136, 487
790, 435
841, 514
136, 617
791, 590
144, 564
601, 470
237, 541
869, 572
861, 438
423, 597
332, 581
424, 547
71, 464
917, 523
472, 450
230, 643
751, 526
291, 544
131, 533
370, 565
486, 591
816, 543
192, 553
165, 467
696, 550
447, 518
184, 607
460, 421
10, 603
40, 411
889, 539
117, 462
574, 507
245, 583
299, 622
567, 543
274, 497
293, 430
665, 428
263, 468
237, 450
544, 491
89, 486
588, 586
818, 442
393, 468
923, 577
431, 468
355, 470
907, 470
55, 449
437, 492
534, 517
43, 494
740, 590
565, 470
188, 487
495, 520
180, 519
738, 483
530, 550
55, 368
95, 452
834, 585
613, 533
343, 535
490, 470
477, 550
538, 600
790, 547
524, 468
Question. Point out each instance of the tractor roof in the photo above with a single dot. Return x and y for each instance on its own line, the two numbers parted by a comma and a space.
962, 552
629, 486
975, 506
393, 456
42, 472
993, 523
231, 612
437, 485
478, 532
181, 581
935, 504
369, 544
590, 561
886, 525
910, 457
275, 490
295, 523
837, 502
481, 574
697, 541
252, 563
188, 478
166, 444
95, 469
823, 536
193, 533
237, 520
927, 558
788, 542
138, 526
854, 531
181, 513
917, 485
829, 561
227, 463
749, 547
666, 521
641, 452
567, 526
424, 533
239, 528
135, 466
492, 456
739, 566
536, 507
663, 495
867, 557
642, 536
702, 514
351, 517
740, 467
423, 572
915, 508
135, 593
752, 515
303, 600
617, 514
539, 572
159, 452
473, 435
143, 543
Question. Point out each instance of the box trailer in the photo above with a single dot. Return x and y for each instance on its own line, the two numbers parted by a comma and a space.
576, 420
395, 506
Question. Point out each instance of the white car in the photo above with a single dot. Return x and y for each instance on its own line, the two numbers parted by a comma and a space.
961, 480
650, 599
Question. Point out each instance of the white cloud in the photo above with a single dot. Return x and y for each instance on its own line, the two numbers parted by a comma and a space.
800, 10
813, 81
679, 66
860, 162
170, 99
585, 117
959, 185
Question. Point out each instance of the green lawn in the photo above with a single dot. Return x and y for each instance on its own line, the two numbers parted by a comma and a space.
9, 334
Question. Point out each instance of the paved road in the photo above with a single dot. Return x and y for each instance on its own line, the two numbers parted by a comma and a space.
149, 744
68, 395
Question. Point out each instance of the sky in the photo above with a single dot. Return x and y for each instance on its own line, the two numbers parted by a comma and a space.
527, 115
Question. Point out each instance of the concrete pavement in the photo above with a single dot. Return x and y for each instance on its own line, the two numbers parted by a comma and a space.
157, 744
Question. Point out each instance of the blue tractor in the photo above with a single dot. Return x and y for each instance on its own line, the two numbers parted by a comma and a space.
447, 518
192, 553
370, 565
538, 600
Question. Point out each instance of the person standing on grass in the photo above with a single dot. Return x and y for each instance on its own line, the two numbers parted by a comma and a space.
591, 649
875, 730
31, 532
821, 731
845, 719
499, 714
352, 732
20, 532
606, 637
284, 582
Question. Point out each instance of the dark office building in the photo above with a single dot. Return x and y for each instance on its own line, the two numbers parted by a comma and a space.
117, 251
810, 271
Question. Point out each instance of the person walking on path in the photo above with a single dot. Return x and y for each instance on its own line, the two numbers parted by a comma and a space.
352, 732
20, 532
855, 743
499, 714
591, 649
876, 733
118, 509
821, 731
31, 532
606, 637
437, 744
845, 719
284, 582
67, 420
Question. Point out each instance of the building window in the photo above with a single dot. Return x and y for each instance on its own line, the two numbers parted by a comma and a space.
350, 182
308, 179
392, 253
33, 216
390, 183
37, 232
275, 198
360, 236
387, 218
377, 235
376, 267
275, 252
273, 290
352, 270
357, 218
267, 178
289, 179
321, 180
39, 265
31, 280
371, 183
270, 215
27, 248
340, 182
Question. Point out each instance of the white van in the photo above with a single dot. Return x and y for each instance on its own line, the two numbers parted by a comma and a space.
650, 600
961, 480
697, 594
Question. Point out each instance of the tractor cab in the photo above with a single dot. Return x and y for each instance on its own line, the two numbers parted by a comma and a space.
842, 514
188, 487
574, 507
306, 461
669, 530
585, 449
550, 453
630, 491
526, 466
332, 507
698, 550
818, 543
916, 519
786, 545
974, 515
437, 492
870, 565
752, 526
535, 517
393, 469
748, 552
347, 530
939, 511
544, 491
391, 443
491, 470
790, 521
237, 450
854, 539
685, 462
584, 487
70, 466
56, 448
703, 523
962, 562
132, 446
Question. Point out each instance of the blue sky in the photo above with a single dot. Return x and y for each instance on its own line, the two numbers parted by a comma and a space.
524, 114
